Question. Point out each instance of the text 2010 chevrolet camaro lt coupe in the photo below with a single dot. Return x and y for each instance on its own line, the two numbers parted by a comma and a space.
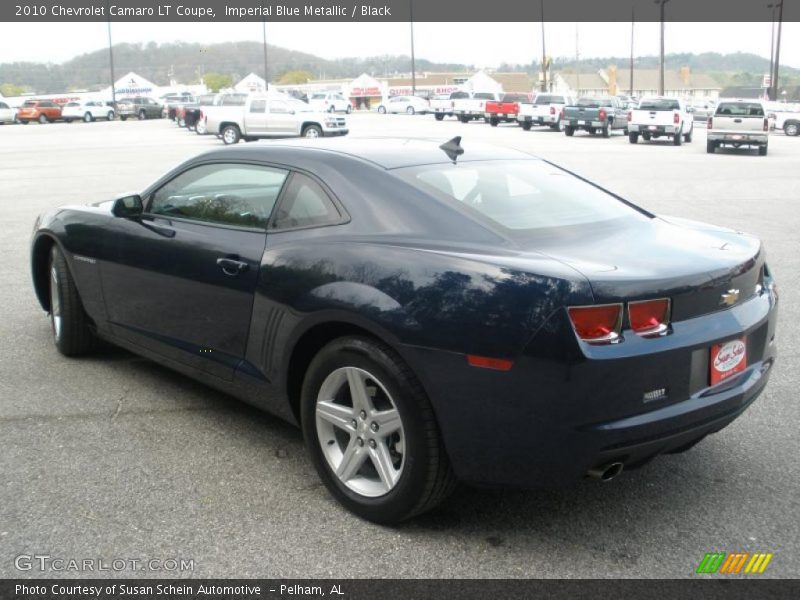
426, 313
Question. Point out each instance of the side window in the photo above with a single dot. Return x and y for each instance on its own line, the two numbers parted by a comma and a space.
305, 204
230, 194
3, 105
278, 106
258, 106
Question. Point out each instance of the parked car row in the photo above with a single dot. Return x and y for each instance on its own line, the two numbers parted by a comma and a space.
48, 111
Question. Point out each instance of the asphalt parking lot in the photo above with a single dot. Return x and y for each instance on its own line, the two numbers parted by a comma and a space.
114, 456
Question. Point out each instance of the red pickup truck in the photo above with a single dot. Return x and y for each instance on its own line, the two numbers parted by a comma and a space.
505, 109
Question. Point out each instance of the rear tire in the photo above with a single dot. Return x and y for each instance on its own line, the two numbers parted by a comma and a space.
42, 119
88, 118
607, 131
677, 139
439, 117
68, 321
688, 137
142, 115
463, 119
711, 147
633, 137
230, 135
762, 150
416, 473
791, 128
382, 110
494, 121
410, 110
123, 118
526, 125
110, 116
569, 131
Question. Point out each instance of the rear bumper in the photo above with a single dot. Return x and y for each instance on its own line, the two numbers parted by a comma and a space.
538, 119
584, 124
550, 419
652, 129
732, 137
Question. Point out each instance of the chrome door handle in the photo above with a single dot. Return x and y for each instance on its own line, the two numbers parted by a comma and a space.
231, 266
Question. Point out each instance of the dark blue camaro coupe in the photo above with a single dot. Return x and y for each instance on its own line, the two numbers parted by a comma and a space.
428, 314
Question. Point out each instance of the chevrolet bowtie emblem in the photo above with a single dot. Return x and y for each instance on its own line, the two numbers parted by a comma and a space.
729, 298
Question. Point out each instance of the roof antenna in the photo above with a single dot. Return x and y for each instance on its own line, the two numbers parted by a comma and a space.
453, 148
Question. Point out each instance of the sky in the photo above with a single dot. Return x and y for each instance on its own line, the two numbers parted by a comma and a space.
480, 44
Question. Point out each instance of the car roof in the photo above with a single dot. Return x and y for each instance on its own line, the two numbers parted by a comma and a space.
389, 153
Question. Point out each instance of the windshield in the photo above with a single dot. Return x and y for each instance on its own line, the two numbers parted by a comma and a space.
548, 99
659, 104
519, 194
741, 109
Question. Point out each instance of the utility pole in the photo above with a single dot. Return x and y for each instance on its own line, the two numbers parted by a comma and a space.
771, 53
413, 62
111, 57
777, 53
266, 68
661, 4
633, 21
544, 53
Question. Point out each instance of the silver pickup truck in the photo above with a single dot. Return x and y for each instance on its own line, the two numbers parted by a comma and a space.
271, 116
738, 123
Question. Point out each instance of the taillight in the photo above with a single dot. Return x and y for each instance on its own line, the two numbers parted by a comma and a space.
766, 124
710, 123
630, 116
597, 324
676, 118
563, 113
602, 114
649, 317
552, 110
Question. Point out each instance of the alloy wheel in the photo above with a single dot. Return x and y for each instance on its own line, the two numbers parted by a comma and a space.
360, 431
55, 303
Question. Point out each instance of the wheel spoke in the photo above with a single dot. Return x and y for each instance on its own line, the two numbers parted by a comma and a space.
383, 465
358, 391
336, 414
388, 421
354, 456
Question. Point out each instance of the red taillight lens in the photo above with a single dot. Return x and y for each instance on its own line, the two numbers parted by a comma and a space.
484, 362
602, 114
552, 110
597, 324
710, 123
649, 317
676, 118
630, 116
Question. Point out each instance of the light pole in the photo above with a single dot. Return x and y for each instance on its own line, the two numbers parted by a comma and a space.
771, 53
777, 52
266, 68
413, 62
111, 55
661, 4
633, 21
544, 53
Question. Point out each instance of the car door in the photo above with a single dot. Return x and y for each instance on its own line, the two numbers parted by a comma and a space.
256, 118
281, 120
181, 279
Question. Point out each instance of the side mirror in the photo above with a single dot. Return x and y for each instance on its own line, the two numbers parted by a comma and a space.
128, 207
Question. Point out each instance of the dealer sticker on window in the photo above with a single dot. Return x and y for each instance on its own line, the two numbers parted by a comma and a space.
728, 359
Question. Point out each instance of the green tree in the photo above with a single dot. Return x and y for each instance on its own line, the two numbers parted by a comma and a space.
295, 77
217, 81
9, 89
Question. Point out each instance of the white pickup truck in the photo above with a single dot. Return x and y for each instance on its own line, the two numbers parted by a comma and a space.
467, 107
738, 123
661, 117
271, 116
441, 106
545, 110
785, 117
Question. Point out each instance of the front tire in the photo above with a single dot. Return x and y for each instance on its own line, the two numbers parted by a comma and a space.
87, 118
123, 118
371, 432
312, 131
792, 128
42, 119
231, 135
382, 110
349, 109
410, 110
142, 115
68, 321
110, 116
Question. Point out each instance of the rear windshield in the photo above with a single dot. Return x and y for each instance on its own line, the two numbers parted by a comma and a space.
548, 99
659, 104
458, 95
515, 98
518, 194
484, 96
592, 102
740, 109
30, 103
74, 103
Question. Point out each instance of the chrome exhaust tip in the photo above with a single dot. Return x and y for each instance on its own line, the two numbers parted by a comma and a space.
606, 472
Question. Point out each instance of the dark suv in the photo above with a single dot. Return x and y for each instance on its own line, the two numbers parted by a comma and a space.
141, 108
